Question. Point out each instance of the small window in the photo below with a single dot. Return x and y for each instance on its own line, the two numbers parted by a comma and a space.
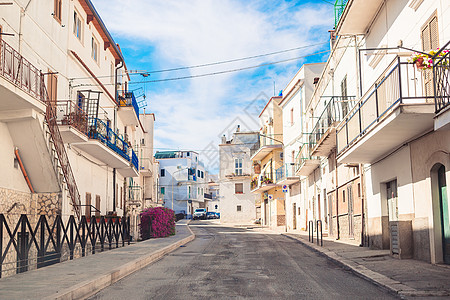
188, 154
163, 172
359, 190
163, 190
299, 211
94, 49
238, 188
238, 166
343, 196
77, 25
198, 173
238, 208
57, 10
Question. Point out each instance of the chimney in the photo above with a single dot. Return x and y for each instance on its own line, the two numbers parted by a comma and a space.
224, 139
238, 128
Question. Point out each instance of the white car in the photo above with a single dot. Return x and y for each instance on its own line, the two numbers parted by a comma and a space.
199, 213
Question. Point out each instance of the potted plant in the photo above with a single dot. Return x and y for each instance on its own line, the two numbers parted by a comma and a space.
425, 60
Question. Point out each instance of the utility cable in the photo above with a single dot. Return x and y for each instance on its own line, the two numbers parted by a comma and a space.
211, 64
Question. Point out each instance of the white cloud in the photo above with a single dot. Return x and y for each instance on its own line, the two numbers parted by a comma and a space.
184, 33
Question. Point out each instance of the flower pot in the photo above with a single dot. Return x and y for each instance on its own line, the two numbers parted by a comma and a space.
419, 63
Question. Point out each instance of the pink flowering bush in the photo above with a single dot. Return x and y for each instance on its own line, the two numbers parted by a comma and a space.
157, 222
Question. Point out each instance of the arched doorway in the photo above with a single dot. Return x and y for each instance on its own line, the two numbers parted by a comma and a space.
444, 214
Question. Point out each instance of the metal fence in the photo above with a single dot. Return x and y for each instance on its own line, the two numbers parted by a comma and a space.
28, 244
441, 79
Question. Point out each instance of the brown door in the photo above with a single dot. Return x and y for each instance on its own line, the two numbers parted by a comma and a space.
87, 211
97, 206
294, 218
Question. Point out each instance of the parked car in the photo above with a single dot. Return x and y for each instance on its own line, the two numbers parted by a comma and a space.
211, 215
199, 213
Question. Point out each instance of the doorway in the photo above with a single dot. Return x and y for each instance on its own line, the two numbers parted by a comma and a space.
445, 214
392, 202
350, 211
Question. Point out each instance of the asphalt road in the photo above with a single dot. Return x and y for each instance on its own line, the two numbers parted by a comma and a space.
225, 262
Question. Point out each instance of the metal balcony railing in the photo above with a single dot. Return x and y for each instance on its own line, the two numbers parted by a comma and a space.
270, 139
339, 7
99, 130
20, 72
128, 99
285, 171
334, 112
303, 156
68, 113
401, 83
441, 78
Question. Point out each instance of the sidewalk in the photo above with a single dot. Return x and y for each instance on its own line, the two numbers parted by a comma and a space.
407, 277
83, 277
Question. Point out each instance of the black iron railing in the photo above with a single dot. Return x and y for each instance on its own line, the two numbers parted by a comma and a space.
401, 83
336, 108
28, 244
441, 78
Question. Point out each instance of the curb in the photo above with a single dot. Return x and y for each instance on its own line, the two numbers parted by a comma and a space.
378, 279
88, 288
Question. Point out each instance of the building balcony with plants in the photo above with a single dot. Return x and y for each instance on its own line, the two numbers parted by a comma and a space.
263, 182
128, 108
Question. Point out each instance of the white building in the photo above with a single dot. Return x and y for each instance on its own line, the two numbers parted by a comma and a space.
293, 105
213, 193
62, 52
399, 128
182, 180
237, 203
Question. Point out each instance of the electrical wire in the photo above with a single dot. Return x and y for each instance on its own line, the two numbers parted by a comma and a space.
219, 72
211, 64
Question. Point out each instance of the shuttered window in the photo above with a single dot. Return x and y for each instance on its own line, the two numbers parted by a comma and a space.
57, 10
430, 41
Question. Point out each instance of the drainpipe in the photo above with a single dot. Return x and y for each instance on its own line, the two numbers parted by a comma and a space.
337, 196
364, 236
114, 189
115, 129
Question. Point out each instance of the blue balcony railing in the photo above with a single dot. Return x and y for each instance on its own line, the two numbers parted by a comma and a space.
134, 159
128, 99
100, 131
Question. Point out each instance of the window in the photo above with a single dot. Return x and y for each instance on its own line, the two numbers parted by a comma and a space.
77, 25
198, 173
238, 166
430, 41
203, 174
188, 154
359, 190
163, 190
299, 211
189, 190
343, 196
238, 188
239, 208
57, 10
163, 172
292, 116
94, 49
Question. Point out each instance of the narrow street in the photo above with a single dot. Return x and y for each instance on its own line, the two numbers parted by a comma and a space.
226, 262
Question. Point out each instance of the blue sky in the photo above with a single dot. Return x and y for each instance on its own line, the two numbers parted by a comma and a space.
191, 114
